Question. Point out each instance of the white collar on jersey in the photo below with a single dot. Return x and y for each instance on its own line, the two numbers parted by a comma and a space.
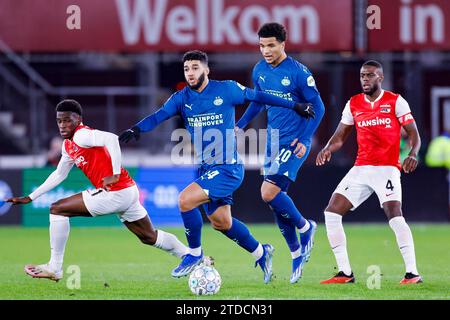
378, 98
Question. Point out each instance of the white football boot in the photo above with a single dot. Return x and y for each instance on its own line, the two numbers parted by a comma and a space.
43, 271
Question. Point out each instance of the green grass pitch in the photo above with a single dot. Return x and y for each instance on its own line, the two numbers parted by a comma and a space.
115, 265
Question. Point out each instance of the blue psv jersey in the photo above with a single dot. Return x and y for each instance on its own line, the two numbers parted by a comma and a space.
292, 81
209, 116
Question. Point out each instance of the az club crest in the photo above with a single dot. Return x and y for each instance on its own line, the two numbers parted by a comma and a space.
385, 108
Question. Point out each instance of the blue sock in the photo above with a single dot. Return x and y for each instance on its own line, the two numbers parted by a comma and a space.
282, 204
288, 231
193, 223
240, 234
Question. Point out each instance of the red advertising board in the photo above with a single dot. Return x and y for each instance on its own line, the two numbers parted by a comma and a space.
171, 25
410, 25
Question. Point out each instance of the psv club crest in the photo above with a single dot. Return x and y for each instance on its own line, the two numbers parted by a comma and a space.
218, 101
285, 82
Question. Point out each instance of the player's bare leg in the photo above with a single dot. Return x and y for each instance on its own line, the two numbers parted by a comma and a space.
338, 206
60, 211
144, 230
222, 220
189, 199
405, 240
269, 191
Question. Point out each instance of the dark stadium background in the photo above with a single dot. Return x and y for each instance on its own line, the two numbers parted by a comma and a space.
119, 79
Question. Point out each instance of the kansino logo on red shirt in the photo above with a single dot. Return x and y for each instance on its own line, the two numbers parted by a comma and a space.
375, 122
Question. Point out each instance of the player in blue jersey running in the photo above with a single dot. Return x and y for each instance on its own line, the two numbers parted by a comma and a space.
207, 109
288, 137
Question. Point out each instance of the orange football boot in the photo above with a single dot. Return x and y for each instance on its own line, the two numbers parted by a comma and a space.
340, 277
410, 278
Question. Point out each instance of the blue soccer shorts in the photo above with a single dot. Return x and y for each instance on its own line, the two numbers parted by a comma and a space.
219, 182
282, 168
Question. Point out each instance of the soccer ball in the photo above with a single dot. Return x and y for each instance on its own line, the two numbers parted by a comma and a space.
205, 280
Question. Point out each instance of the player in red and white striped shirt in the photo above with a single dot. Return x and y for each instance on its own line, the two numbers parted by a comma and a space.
378, 116
97, 154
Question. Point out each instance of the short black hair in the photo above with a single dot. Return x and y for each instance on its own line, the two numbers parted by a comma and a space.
196, 55
273, 29
69, 105
373, 63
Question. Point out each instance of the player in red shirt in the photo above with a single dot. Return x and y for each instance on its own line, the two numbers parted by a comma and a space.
97, 154
378, 116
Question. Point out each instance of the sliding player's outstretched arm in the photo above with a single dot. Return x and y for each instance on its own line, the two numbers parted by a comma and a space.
410, 163
54, 179
335, 143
